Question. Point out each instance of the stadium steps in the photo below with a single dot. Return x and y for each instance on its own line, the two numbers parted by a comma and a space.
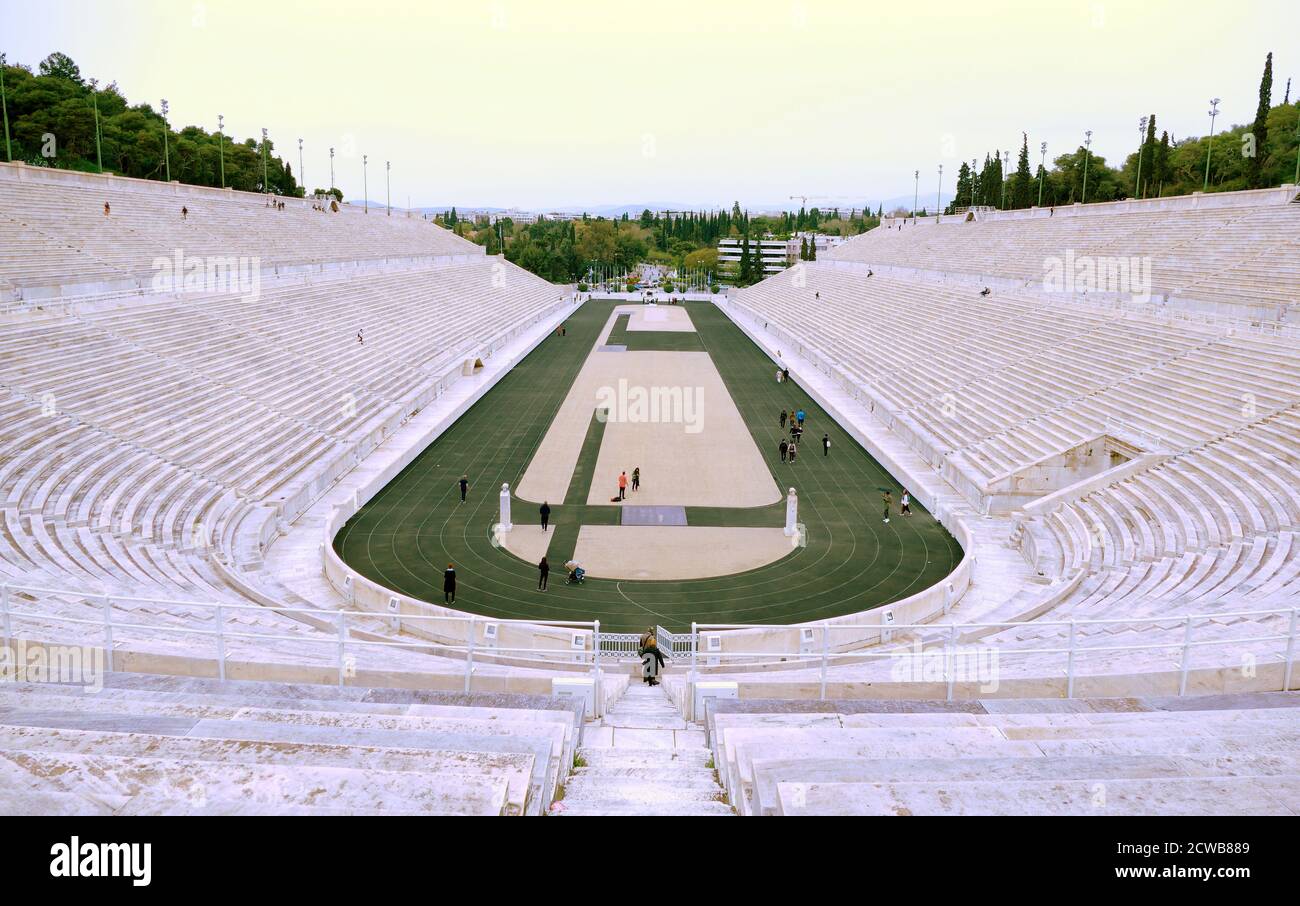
146, 745
642, 770
1223, 754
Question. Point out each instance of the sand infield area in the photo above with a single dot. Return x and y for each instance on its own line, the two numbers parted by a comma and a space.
669, 414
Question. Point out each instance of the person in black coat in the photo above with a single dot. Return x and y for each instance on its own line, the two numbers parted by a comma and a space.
652, 661
449, 584
546, 514
543, 573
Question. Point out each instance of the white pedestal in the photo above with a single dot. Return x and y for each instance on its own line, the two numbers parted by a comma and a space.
505, 525
583, 687
791, 513
705, 689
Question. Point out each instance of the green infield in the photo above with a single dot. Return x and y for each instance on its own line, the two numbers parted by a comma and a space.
852, 561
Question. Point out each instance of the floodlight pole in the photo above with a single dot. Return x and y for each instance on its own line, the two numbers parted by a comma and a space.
266, 182
1006, 163
1209, 146
1087, 145
916, 190
938, 196
973, 164
1142, 146
331, 170
365, 182
301, 178
388, 183
1042, 172
221, 146
94, 101
166, 156
4, 107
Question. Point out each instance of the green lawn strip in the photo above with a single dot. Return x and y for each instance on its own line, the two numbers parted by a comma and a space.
653, 340
584, 470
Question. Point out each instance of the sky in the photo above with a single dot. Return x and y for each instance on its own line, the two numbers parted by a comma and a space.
540, 104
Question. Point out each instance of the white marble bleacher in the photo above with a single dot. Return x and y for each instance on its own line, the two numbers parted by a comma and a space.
1199, 755
58, 235
1242, 255
176, 745
120, 474
981, 387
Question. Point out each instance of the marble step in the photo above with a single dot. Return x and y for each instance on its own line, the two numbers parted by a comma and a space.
546, 767
608, 756
672, 721
769, 772
1188, 796
585, 786
205, 784
618, 808
515, 769
559, 732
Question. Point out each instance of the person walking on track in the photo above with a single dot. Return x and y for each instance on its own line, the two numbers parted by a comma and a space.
888, 501
905, 504
783, 418
449, 584
622, 485
543, 573
826, 445
464, 487
636, 479
546, 514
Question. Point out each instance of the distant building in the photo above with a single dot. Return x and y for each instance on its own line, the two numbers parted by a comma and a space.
823, 243
774, 252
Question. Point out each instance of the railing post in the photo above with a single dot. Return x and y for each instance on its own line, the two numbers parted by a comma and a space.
343, 640
595, 643
950, 659
221, 642
1069, 665
695, 650
826, 655
469, 655
108, 631
1187, 655
1291, 651
8, 629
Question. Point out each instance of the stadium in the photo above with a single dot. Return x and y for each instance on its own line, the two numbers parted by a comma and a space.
278, 472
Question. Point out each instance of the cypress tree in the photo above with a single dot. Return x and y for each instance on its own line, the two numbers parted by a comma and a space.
1260, 129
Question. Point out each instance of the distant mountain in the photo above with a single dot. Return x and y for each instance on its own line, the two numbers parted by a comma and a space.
634, 210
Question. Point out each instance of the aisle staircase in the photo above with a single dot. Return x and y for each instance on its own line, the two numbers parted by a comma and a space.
643, 759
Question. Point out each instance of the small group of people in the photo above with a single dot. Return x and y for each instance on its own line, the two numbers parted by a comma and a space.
782, 375
793, 416
905, 504
623, 483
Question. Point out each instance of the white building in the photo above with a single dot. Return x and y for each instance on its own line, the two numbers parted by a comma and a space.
775, 253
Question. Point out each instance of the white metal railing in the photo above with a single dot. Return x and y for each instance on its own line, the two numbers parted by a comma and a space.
334, 629
816, 648
705, 645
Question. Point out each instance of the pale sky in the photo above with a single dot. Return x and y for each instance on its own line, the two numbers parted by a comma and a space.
541, 103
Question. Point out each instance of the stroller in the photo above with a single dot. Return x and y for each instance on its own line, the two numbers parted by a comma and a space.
576, 574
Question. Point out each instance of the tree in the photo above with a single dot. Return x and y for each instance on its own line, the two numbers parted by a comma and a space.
1022, 183
60, 65
1260, 128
